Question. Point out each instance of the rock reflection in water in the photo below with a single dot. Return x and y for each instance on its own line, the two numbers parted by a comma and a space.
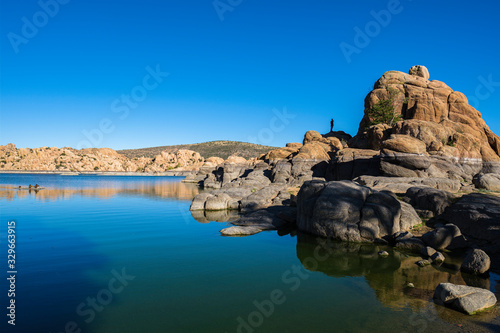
388, 276
178, 190
215, 216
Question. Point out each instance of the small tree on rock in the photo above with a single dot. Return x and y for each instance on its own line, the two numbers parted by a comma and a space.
383, 112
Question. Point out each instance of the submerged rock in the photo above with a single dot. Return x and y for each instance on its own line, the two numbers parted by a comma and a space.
383, 253
469, 300
410, 244
423, 263
437, 257
240, 231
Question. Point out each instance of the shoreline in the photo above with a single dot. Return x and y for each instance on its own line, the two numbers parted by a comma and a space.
100, 173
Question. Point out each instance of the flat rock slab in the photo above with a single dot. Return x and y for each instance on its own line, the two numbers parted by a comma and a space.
469, 300
240, 231
402, 184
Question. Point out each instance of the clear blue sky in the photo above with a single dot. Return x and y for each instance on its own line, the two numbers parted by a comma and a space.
225, 76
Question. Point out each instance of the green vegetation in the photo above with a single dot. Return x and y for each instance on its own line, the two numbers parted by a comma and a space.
96, 168
384, 112
448, 142
222, 149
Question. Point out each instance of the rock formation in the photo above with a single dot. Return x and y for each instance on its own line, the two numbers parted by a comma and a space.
100, 159
435, 119
433, 145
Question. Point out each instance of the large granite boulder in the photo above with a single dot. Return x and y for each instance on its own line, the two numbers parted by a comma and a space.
488, 181
421, 71
476, 262
350, 163
445, 237
469, 300
347, 211
262, 198
430, 199
477, 215
404, 144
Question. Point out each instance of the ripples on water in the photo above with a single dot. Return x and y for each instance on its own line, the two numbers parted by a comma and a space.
78, 232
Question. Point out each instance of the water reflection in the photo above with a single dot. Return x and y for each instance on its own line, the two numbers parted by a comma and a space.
389, 277
215, 216
178, 190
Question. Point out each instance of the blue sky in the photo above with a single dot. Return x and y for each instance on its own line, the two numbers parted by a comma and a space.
266, 72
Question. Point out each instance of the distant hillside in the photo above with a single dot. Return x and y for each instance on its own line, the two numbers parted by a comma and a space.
222, 149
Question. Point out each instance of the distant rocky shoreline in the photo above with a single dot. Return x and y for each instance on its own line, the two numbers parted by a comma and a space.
96, 160
101, 173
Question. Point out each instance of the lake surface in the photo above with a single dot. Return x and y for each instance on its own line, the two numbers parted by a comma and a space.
124, 254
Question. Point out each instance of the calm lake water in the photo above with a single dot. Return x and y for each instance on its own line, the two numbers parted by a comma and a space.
124, 254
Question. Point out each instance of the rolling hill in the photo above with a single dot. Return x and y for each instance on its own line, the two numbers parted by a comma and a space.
222, 149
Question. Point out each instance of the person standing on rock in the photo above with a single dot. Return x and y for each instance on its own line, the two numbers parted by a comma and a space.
331, 125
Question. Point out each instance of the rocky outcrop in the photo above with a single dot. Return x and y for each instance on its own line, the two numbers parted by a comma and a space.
469, 300
96, 159
314, 147
347, 211
439, 134
440, 118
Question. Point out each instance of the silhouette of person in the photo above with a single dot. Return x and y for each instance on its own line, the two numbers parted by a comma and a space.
331, 125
